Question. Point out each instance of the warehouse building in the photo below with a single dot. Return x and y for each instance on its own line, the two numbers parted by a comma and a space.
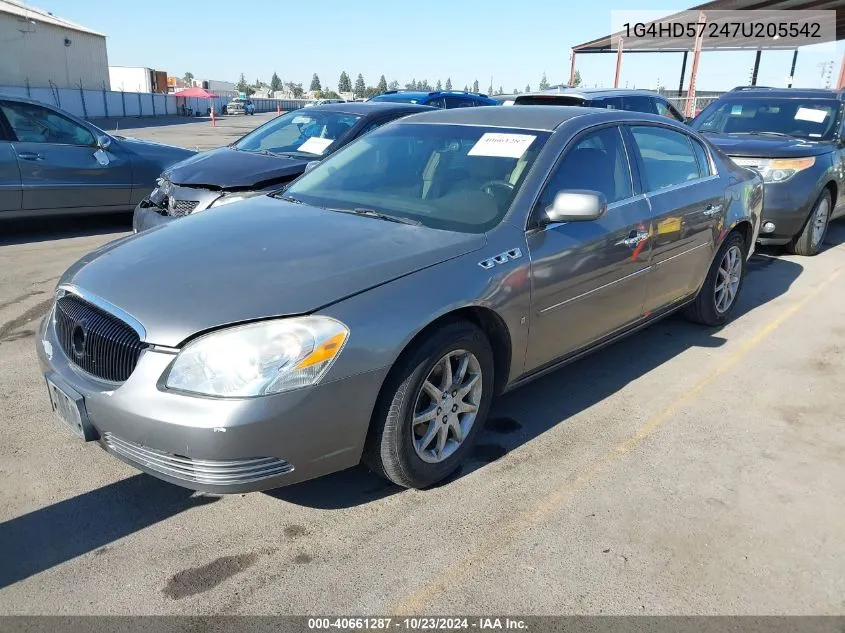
38, 49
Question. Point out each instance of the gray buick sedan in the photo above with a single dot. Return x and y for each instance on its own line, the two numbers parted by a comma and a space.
373, 309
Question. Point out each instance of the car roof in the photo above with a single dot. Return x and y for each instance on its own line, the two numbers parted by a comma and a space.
764, 92
430, 94
589, 93
364, 108
529, 117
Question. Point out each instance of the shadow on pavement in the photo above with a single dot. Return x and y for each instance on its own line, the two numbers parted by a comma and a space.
553, 399
37, 541
45, 229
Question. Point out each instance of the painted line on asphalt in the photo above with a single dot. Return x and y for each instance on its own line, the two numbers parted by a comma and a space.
414, 603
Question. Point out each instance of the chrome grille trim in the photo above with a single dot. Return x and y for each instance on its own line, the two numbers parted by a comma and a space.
180, 208
200, 471
110, 347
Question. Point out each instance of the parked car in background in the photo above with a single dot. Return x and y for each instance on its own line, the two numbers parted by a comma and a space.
613, 99
795, 139
262, 161
240, 106
54, 163
374, 308
438, 99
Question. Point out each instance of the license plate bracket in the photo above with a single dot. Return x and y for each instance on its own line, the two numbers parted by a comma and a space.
69, 407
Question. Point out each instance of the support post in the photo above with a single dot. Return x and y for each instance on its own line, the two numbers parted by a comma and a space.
756, 67
618, 63
792, 70
689, 109
572, 70
683, 74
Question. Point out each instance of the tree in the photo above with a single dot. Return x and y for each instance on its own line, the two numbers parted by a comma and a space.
448, 83
275, 82
315, 83
371, 91
360, 86
382, 85
328, 94
577, 81
475, 86
412, 85
393, 85
490, 89
438, 86
515, 91
424, 85
500, 91
466, 88
295, 89
189, 78
544, 83
344, 84
243, 86
527, 87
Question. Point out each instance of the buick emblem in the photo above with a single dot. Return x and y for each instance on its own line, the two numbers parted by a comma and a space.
79, 338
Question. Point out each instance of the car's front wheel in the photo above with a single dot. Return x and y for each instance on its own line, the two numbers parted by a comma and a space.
432, 407
809, 241
718, 295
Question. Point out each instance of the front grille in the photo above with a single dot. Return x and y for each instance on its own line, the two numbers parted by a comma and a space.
198, 471
95, 341
181, 208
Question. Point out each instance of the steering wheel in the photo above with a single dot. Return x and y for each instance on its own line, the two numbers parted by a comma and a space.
489, 186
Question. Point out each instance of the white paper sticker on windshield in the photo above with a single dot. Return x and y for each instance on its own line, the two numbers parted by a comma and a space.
301, 119
503, 145
315, 145
736, 110
507, 103
810, 114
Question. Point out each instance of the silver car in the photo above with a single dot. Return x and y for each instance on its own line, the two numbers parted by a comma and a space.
373, 309
54, 163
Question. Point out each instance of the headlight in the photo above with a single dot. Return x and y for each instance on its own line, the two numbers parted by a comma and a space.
777, 170
259, 358
228, 198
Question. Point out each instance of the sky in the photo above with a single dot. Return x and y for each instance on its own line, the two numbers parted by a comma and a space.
513, 43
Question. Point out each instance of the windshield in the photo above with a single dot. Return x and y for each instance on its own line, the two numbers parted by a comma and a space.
452, 177
309, 133
803, 118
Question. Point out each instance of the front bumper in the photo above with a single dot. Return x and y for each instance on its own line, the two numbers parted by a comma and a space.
146, 217
220, 445
787, 205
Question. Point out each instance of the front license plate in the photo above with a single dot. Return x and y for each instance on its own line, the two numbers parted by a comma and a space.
69, 409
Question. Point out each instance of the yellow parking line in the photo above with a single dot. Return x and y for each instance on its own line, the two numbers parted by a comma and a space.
416, 602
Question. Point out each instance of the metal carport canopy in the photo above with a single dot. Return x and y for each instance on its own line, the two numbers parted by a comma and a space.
615, 43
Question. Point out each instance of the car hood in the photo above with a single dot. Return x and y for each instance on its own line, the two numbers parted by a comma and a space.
147, 148
229, 168
767, 146
255, 259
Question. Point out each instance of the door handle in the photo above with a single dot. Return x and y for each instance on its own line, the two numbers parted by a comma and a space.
712, 209
633, 240
30, 156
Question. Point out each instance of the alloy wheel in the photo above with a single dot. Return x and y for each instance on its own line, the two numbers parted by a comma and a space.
819, 221
446, 406
727, 279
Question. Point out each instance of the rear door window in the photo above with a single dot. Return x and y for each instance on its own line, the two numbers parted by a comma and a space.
667, 157
459, 102
639, 103
549, 100
703, 159
609, 103
664, 108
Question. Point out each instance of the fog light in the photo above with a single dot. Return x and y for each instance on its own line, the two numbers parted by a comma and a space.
768, 227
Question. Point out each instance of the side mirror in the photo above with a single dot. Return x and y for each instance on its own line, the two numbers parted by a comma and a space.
576, 205
103, 142
311, 166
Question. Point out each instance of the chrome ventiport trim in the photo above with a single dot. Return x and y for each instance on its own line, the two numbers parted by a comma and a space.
104, 305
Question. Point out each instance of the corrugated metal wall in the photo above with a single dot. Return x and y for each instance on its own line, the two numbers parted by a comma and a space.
37, 53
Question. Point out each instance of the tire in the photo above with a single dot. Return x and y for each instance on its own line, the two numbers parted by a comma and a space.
392, 443
811, 238
705, 309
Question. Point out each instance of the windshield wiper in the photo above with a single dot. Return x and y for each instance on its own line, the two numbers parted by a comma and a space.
766, 133
372, 213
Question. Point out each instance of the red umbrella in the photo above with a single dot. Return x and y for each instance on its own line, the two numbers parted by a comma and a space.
202, 93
